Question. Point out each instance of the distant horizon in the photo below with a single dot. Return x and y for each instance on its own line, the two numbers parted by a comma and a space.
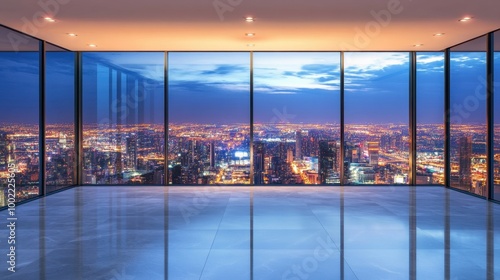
236, 123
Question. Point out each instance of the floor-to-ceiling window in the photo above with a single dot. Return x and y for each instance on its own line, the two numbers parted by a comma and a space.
376, 117
468, 134
19, 119
430, 118
59, 118
296, 118
209, 118
496, 116
468, 116
123, 118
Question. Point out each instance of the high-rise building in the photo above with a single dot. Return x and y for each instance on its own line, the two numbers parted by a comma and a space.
298, 145
258, 162
2, 197
313, 139
327, 161
465, 159
62, 140
398, 142
212, 154
119, 166
373, 152
4, 150
192, 156
132, 152
385, 142
361, 173
177, 175
289, 156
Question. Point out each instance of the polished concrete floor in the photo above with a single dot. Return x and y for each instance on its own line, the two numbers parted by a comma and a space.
118, 233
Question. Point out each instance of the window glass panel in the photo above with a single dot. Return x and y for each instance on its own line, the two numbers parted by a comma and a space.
59, 118
496, 101
19, 125
209, 118
123, 118
376, 118
468, 154
430, 118
468, 116
297, 118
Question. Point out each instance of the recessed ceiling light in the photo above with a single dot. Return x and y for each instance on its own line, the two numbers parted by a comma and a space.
49, 19
418, 45
464, 19
438, 34
72, 34
249, 19
92, 45
250, 34
250, 45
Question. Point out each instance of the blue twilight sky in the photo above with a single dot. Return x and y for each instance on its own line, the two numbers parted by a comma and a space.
215, 87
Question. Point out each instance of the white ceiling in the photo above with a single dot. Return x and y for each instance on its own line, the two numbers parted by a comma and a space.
196, 25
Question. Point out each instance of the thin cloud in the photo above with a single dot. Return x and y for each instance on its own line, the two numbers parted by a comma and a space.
360, 62
296, 80
430, 58
226, 69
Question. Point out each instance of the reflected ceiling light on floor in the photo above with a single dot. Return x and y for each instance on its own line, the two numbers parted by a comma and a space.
465, 19
250, 34
49, 19
71, 34
92, 45
418, 45
438, 34
249, 19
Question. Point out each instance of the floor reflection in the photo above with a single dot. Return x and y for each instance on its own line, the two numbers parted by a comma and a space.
255, 233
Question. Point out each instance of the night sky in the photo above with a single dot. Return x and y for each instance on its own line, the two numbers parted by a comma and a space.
288, 87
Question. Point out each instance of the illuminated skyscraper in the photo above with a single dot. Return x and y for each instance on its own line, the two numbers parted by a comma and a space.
298, 145
327, 161
465, 158
192, 144
4, 150
313, 139
385, 142
373, 151
212, 154
2, 198
119, 165
289, 156
62, 140
132, 152
258, 162
398, 142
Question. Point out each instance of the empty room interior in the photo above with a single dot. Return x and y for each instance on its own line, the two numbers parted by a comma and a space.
238, 139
